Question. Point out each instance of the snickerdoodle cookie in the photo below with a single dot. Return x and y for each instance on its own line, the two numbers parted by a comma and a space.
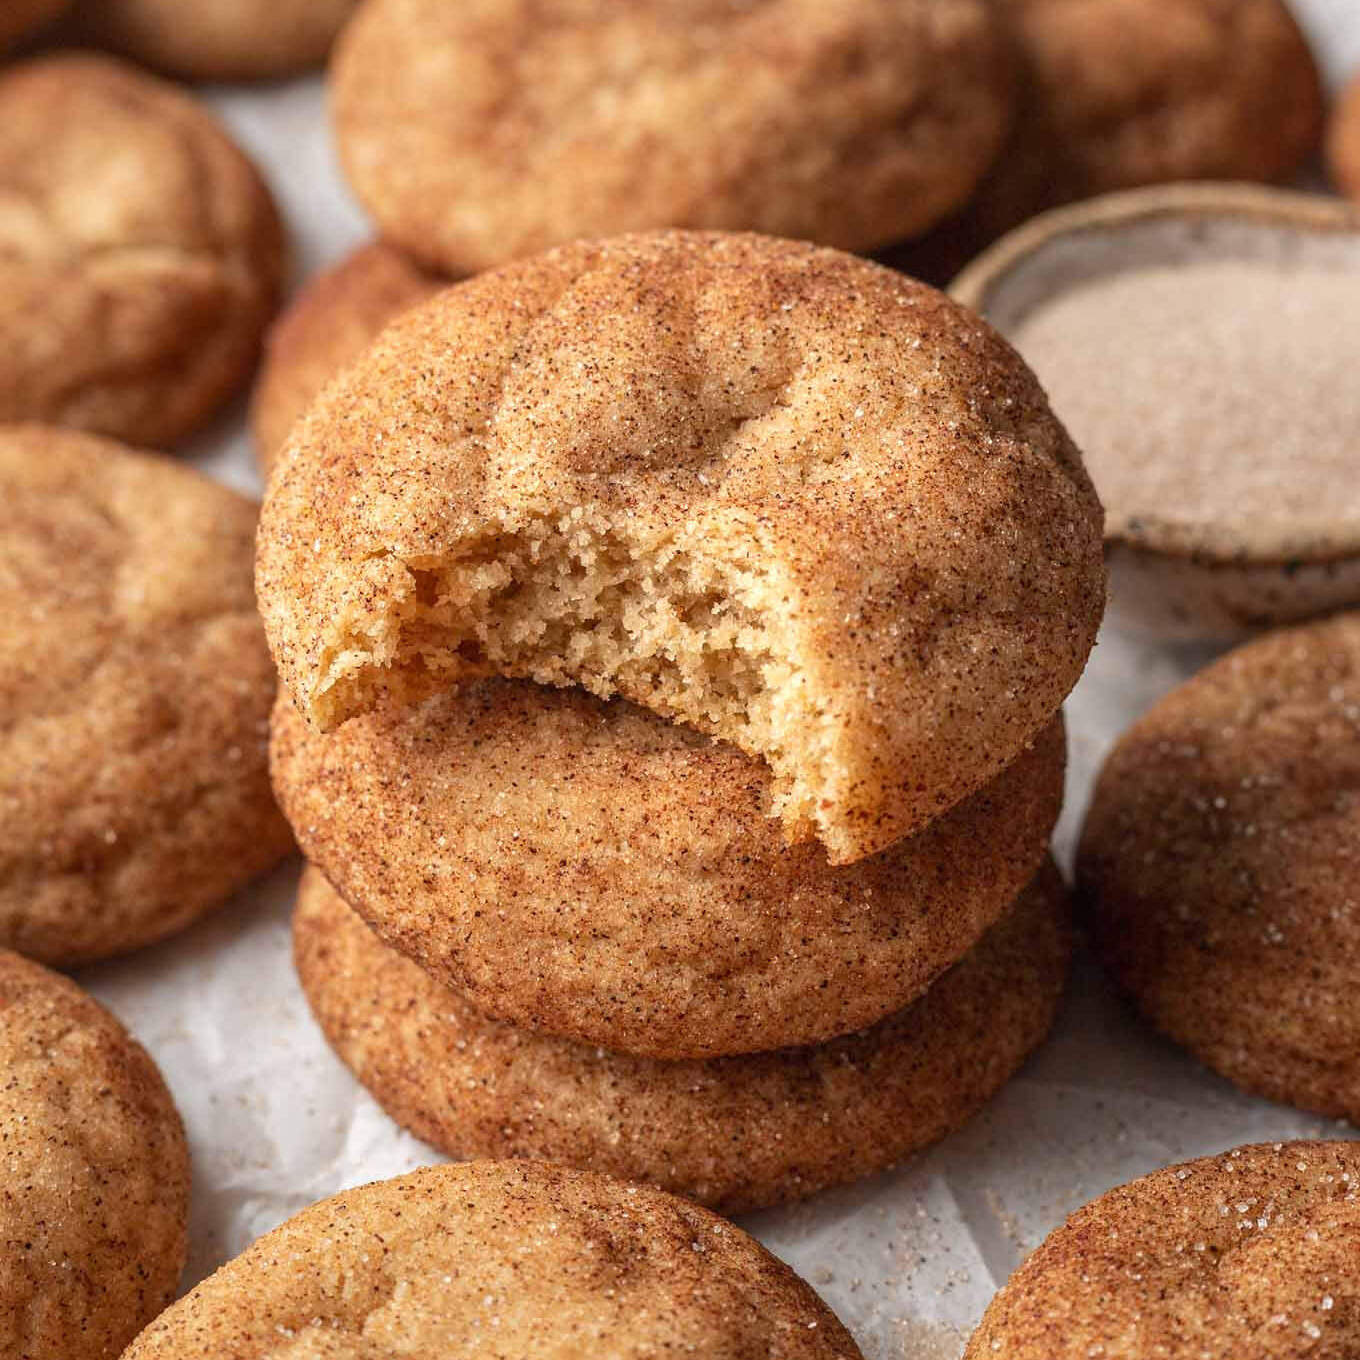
500, 1259
1220, 865
328, 325
535, 848
478, 133
733, 1133
94, 1199
216, 39
1200, 343
1123, 93
140, 253
1343, 141
135, 688
773, 491
1245, 1256
18, 18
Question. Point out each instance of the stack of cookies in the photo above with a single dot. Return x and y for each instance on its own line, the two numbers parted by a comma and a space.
673, 631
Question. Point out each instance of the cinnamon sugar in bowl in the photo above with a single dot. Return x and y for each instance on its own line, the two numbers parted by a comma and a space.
1202, 345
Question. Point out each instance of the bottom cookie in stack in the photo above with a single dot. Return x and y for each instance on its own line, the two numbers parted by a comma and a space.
735, 1133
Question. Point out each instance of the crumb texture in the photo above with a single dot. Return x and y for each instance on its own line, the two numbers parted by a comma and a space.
734, 1133
136, 688
1220, 859
216, 39
530, 846
784, 496
500, 1261
95, 1196
483, 132
327, 326
1249, 1255
140, 253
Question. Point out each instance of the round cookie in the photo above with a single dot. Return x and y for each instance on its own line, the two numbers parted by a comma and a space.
1343, 141
140, 253
483, 132
1127, 93
94, 1202
216, 39
500, 1259
528, 847
18, 18
136, 687
328, 325
1250, 1254
733, 1133
774, 492
1219, 863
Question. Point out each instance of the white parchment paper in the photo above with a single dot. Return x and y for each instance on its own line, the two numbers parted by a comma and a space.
908, 1260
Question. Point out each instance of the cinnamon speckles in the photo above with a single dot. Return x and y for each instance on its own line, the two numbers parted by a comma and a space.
513, 1260
1249, 1255
136, 687
94, 1200
478, 134
734, 1133
528, 846
1220, 865
771, 491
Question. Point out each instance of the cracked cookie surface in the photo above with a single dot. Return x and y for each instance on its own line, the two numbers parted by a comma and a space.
733, 1133
483, 132
135, 688
1249, 1255
140, 253
95, 1196
531, 846
500, 1261
768, 490
1219, 864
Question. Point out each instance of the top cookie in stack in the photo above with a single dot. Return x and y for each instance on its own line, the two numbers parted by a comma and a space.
773, 492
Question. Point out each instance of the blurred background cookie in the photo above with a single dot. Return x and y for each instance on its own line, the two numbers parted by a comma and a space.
1200, 343
215, 39
94, 1202
772, 491
18, 18
1220, 860
1250, 1254
330, 323
528, 846
477, 133
140, 253
1127, 93
508, 1258
733, 1133
1343, 141
136, 687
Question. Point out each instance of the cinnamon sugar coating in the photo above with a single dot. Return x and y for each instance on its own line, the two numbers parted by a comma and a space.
1249, 1255
482, 132
1220, 860
327, 326
771, 491
733, 1133
529, 847
501, 1261
94, 1201
135, 686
